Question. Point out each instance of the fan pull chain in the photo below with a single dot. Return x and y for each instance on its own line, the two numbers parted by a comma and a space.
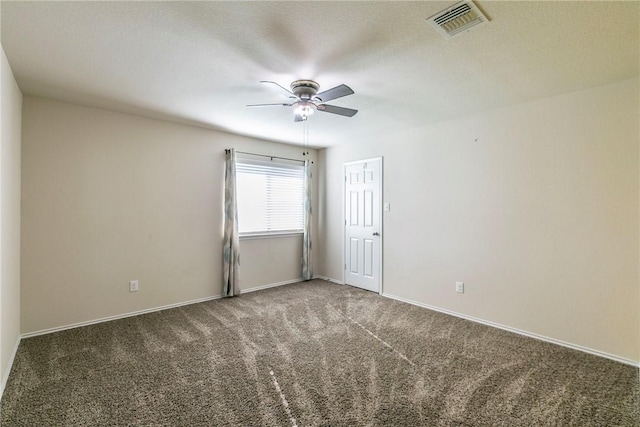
305, 138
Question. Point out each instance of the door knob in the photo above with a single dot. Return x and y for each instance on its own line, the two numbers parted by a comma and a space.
375, 233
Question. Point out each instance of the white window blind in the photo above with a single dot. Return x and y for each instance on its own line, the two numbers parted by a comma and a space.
270, 196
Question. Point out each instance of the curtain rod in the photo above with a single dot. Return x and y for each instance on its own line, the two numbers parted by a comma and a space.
271, 157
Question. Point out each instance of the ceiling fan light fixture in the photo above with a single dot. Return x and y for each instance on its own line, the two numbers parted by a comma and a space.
305, 99
303, 110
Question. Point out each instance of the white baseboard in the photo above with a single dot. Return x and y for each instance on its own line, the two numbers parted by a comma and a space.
519, 331
271, 285
5, 377
149, 310
329, 279
116, 317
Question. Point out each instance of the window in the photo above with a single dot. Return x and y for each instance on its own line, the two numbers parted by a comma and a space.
270, 197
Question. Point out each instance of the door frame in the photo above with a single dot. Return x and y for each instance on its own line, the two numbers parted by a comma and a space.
344, 217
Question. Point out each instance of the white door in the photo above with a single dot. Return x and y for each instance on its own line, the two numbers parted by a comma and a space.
362, 224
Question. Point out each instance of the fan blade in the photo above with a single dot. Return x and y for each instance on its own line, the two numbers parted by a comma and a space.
336, 92
287, 91
349, 112
268, 105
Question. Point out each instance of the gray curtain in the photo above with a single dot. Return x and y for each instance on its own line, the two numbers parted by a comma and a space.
307, 267
231, 249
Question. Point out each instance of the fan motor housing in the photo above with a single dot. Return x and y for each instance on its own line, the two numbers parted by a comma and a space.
304, 89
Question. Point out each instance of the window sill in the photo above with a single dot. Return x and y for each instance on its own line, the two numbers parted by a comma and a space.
253, 236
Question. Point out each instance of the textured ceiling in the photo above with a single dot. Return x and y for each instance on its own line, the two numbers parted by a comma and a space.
201, 62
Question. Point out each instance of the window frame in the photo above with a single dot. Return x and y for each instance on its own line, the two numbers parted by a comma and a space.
274, 162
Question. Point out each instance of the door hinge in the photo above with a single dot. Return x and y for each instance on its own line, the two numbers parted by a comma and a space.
345, 266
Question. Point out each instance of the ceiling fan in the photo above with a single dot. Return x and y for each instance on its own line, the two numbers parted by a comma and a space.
305, 99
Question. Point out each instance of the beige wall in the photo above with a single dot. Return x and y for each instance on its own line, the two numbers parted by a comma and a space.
9, 218
111, 197
272, 264
535, 207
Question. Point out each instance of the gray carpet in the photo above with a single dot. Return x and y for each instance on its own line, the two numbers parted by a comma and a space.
310, 354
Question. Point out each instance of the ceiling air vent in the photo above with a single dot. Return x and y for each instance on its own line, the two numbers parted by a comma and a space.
457, 19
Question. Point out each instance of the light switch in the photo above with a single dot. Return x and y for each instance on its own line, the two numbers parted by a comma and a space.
387, 207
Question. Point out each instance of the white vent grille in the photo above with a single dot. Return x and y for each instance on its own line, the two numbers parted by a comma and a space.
457, 19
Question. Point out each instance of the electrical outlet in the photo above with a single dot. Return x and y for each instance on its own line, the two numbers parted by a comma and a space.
460, 287
133, 286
